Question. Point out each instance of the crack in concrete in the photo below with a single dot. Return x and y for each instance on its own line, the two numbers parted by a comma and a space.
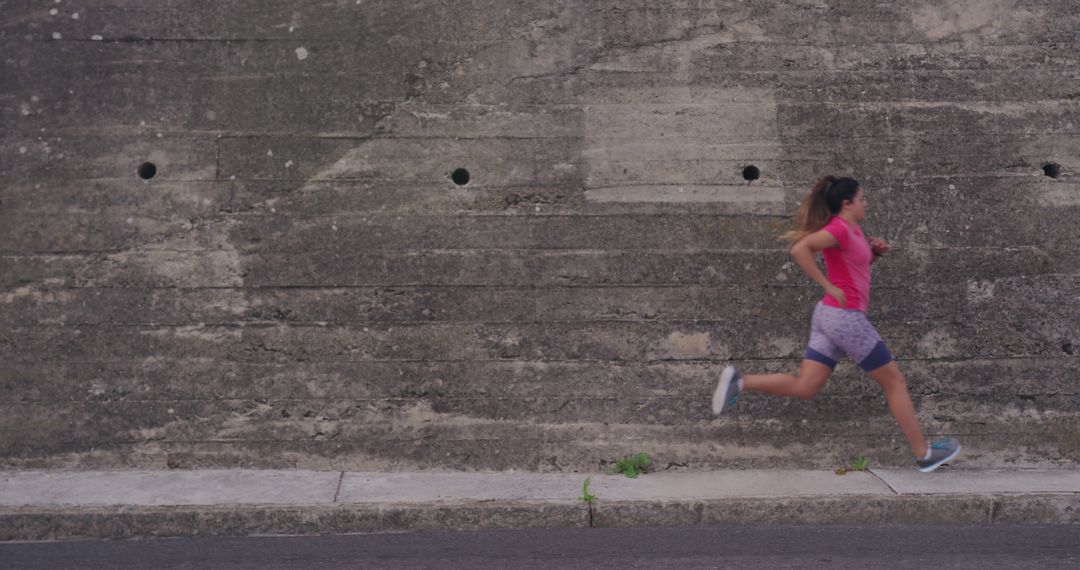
337, 492
874, 473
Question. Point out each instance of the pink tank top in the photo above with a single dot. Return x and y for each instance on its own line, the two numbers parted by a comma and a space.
848, 264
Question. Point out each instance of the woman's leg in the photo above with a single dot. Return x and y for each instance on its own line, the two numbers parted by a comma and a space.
896, 393
856, 336
812, 376
817, 366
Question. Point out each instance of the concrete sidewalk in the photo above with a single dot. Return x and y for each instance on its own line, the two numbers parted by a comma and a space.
37, 505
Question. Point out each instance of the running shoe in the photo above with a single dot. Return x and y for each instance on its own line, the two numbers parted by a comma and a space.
941, 452
727, 390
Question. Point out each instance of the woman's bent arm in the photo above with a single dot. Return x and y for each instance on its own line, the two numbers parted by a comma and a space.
803, 254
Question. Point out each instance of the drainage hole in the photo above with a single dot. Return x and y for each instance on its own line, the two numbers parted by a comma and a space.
460, 177
1052, 169
751, 173
147, 170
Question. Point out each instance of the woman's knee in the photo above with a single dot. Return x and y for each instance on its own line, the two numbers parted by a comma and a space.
812, 376
806, 393
890, 377
807, 388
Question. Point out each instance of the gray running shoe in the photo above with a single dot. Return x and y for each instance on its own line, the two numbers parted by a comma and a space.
941, 452
727, 390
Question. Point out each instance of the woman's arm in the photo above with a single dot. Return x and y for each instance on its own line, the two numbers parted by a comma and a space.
803, 253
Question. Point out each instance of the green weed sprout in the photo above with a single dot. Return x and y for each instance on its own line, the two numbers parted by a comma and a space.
860, 464
630, 466
585, 495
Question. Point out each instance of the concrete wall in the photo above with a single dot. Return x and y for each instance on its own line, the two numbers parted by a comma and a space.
302, 283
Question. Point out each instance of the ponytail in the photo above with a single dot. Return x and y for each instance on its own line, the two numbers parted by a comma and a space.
826, 199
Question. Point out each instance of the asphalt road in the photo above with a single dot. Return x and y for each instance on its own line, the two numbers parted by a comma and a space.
761, 547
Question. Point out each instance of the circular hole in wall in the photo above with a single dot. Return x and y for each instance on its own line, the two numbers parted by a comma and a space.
147, 170
1052, 169
751, 173
460, 177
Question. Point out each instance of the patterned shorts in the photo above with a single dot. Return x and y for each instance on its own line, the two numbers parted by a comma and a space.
836, 332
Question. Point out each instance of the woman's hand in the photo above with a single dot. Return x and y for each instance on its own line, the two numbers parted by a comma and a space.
879, 246
836, 293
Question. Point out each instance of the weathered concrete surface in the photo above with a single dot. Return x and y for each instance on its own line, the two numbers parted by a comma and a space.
301, 285
229, 487
56, 505
247, 520
982, 481
426, 487
157, 488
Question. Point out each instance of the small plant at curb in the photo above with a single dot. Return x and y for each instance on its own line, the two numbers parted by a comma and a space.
585, 495
630, 466
861, 463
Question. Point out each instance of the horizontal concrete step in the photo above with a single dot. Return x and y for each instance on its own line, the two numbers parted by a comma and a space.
417, 437
617, 342
1006, 299
753, 230
344, 266
161, 379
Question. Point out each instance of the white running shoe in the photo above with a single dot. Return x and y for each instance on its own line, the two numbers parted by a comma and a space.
727, 390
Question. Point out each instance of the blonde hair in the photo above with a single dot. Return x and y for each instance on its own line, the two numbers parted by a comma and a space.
826, 199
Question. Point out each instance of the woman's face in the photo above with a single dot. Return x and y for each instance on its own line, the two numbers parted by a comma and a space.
858, 205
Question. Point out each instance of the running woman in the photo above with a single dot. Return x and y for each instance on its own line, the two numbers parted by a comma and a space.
828, 222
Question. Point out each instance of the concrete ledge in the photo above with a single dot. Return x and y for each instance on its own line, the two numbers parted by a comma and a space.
83, 505
852, 509
168, 488
244, 520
